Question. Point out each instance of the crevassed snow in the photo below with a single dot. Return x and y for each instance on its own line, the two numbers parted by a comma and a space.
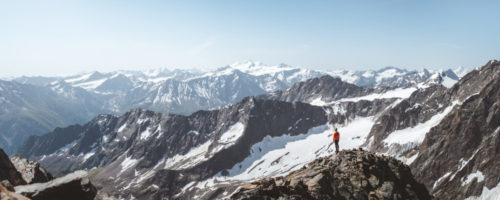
417, 133
233, 133
396, 93
486, 194
146, 133
276, 156
478, 174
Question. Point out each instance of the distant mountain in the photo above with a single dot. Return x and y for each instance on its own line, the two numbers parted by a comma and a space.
33, 110
48, 102
185, 91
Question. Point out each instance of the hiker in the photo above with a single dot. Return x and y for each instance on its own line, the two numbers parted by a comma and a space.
336, 137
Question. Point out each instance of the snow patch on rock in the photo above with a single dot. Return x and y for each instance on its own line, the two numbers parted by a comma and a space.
478, 174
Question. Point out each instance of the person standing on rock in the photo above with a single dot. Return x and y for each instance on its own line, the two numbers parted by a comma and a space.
336, 138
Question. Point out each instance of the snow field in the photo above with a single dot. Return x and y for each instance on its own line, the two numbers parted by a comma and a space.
277, 156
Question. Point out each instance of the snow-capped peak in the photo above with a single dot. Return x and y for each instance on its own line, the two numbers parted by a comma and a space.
259, 68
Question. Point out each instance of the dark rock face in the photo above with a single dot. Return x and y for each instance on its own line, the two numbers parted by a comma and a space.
352, 174
8, 171
49, 143
31, 171
461, 155
424, 104
72, 186
456, 158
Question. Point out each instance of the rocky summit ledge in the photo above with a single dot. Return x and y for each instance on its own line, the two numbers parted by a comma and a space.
72, 186
350, 174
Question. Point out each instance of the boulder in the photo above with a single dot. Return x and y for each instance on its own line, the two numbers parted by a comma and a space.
31, 171
75, 186
7, 192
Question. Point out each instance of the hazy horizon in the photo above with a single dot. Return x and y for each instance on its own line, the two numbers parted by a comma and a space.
209, 69
48, 38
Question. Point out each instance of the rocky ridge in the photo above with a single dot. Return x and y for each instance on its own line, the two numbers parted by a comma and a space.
350, 174
458, 158
141, 148
390, 115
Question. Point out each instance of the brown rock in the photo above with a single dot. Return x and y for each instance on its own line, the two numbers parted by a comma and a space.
31, 171
341, 177
8, 171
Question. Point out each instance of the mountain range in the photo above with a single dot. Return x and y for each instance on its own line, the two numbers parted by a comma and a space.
445, 130
37, 105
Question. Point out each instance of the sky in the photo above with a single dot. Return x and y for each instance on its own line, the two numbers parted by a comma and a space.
65, 37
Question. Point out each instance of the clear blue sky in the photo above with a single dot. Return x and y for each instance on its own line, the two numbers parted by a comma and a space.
63, 37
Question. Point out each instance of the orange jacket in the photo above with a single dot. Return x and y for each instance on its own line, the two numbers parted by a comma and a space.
336, 136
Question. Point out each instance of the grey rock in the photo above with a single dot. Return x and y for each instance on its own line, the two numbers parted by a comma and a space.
31, 171
349, 182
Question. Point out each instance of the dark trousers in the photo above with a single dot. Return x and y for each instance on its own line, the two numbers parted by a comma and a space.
336, 145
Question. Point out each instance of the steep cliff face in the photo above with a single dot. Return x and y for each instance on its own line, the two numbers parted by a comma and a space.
400, 130
350, 174
461, 155
449, 136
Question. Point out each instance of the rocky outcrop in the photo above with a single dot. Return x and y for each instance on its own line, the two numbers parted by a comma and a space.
7, 192
352, 174
31, 171
72, 186
8, 171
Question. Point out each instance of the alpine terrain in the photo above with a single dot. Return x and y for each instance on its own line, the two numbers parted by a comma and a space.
37, 105
444, 132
